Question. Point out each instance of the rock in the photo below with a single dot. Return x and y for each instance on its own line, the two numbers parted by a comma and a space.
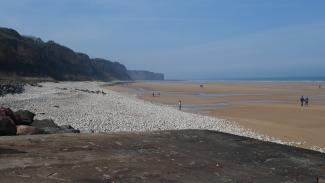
6, 112
53, 130
27, 130
49, 127
69, 129
36, 85
66, 127
7, 126
11, 87
22, 122
44, 123
23, 117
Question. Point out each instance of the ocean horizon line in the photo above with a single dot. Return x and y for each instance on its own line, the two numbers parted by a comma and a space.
268, 79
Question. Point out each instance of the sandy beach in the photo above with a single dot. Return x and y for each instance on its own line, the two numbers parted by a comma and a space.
269, 108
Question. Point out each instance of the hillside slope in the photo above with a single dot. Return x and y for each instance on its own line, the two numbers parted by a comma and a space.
29, 56
145, 75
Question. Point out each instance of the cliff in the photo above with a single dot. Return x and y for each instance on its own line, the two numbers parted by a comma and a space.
31, 57
145, 75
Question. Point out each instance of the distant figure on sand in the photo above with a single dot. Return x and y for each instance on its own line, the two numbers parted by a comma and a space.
306, 101
179, 104
153, 94
302, 101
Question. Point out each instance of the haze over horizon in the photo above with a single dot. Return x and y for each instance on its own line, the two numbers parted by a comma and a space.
185, 39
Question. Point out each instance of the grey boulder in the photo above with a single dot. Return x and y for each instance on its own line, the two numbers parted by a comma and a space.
44, 123
23, 117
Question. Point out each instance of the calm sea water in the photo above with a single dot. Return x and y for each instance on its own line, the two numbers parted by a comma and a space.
273, 79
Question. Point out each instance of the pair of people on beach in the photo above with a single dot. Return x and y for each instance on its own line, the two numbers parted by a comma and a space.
304, 101
154, 94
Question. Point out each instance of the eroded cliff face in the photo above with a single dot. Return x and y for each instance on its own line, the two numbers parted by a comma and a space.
145, 75
30, 56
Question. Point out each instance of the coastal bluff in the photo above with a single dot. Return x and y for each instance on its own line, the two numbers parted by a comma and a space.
158, 156
145, 75
28, 56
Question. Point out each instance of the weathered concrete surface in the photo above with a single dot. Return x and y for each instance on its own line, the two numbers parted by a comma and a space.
167, 156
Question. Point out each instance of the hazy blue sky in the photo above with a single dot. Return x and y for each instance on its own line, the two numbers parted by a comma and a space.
185, 39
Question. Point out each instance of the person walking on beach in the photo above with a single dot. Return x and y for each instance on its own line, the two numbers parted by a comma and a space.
179, 104
306, 101
302, 100
153, 94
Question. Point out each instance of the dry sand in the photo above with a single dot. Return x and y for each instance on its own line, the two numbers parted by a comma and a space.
270, 108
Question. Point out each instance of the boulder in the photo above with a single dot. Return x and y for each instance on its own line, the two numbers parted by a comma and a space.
49, 127
27, 130
44, 123
6, 112
23, 117
7, 126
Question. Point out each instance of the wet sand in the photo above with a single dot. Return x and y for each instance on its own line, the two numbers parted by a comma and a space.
270, 108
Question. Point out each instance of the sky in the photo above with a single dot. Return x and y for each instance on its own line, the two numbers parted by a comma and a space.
184, 39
